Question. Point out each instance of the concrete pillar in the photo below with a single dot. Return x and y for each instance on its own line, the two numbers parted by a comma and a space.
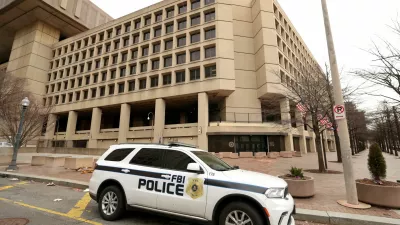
313, 146
124, 122
159, 121
71, 127
286, 122
51, 126
94, 127
325, 141
202, 121
300, 128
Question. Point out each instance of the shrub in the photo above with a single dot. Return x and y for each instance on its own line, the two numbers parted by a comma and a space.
296, 172
376, 163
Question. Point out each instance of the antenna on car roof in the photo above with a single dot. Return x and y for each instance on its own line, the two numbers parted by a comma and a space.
178, 144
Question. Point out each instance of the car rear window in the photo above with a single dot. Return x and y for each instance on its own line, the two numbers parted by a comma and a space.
119, 154
151, 157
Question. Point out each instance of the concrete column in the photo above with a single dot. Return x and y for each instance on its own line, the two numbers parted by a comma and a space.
313, 146
159, 121
202, 121
300, 127
286, 122
124, 122
94, 127
51, 126
71, 127
325, 141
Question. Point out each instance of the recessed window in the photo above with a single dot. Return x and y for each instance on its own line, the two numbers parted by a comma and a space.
158, 17
105, 60
147, 21
155, 64
80, 81
126, 42
85, 94
210, 52
102, 91
135, 38
113, 74
65, 86
170, 12
195, 20
168, 44
182, 8
142, 83
124, 56
134, 53
195, 55
89, 66
103, 76
93, 90
111, 89
97, 64
182, 24
209, 16
145, 51
210, 71
121, 87
95, 78
206, 2
166, 79
118, 30
157, 32
116, 44
168, 61
146, 35
82, 67
195, 74
143, 67
209, 34
101, 37
115, 59
137, 24
156, 47
180, 76
57, 98
128, 27
154, 81
169, 28
181, 41
133, 69
62, 98
91, 53
195, 37
87, 80
181, 58
122, 71
77, 96
195, 4
131, 85
72, 85
108, 47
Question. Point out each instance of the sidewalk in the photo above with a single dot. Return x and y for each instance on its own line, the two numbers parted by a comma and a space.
329, 187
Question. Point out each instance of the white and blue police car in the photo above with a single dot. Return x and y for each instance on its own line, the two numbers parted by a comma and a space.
185, 181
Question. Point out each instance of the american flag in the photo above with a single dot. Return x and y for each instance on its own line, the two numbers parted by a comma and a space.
302, 109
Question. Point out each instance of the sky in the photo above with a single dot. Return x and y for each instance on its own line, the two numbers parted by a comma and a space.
355, 25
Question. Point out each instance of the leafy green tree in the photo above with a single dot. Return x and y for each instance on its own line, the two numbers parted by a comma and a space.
376, 163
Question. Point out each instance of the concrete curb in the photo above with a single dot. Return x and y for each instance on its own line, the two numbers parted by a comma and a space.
328, 217
43, 179
337, 218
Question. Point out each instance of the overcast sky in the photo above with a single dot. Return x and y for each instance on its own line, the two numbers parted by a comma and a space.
355, 24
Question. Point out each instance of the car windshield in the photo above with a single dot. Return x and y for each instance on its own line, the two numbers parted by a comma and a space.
213, 162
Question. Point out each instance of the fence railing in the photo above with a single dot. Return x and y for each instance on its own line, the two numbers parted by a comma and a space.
235, 117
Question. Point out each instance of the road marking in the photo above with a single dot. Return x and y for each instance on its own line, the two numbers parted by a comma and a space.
5, 187
11, 186
50, 211
80, 206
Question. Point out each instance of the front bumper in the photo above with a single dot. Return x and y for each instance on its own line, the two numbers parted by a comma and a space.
281, 211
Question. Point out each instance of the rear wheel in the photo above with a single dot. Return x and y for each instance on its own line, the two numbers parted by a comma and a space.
239, 213
111, 203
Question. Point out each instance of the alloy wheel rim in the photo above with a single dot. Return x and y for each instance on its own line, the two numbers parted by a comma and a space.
238, 217
109, 203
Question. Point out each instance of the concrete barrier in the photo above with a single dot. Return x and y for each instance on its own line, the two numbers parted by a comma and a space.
285, 154
260, 154
219, 155
246, 154
297, 154
273, 155
38, 160
5, 159
225, 154
94, 163
234, 155
77, 151
77, 162
54, 161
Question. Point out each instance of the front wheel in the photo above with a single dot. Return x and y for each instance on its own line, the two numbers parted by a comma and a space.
239, 213
112, 203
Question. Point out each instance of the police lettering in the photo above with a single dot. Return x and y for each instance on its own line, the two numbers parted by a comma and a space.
163, 186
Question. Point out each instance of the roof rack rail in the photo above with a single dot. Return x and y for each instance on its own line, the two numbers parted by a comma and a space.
171, 144
139, 144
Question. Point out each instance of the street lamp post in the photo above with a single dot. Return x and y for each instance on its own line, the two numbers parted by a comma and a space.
13, 166
152, 123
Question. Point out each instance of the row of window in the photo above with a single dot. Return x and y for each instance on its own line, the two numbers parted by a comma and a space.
138, 23
180, 77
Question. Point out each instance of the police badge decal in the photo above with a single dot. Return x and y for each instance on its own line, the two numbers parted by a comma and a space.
195, 188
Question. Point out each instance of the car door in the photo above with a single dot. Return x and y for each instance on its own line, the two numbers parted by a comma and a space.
189, 194
145, 176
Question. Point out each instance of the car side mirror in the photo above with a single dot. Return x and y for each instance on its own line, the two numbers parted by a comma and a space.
194, 167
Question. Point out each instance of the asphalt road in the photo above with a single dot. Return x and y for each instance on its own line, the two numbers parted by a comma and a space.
35, 202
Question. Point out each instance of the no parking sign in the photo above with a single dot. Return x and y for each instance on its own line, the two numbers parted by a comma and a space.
339, 112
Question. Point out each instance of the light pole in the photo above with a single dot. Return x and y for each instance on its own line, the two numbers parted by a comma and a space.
13, 166
350, 183
152, 123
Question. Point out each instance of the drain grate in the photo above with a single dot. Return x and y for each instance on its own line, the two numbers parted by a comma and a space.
14, 221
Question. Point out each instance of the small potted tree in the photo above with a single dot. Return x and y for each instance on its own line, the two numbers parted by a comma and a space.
298, 184
377, 191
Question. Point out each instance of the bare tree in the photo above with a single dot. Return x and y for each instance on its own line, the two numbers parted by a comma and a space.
11, 94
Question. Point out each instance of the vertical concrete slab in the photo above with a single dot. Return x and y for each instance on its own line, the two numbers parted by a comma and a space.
202, 121
94, 127
71, 127
124, 122
286, 122
159, 121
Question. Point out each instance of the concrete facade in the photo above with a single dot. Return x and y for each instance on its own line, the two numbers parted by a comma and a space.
187, 71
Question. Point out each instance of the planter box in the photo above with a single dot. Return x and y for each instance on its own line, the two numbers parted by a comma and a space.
234, 155
38, 160
260, 154
76, 163
246, 154
379, 195
284, 154
273, 155
300, 188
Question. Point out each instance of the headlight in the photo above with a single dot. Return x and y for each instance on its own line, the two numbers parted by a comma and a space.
275, 193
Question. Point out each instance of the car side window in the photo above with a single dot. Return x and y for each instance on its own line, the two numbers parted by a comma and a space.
176, 160
149, 157
119, 154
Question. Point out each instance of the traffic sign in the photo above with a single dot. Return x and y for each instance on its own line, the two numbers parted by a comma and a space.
339, 112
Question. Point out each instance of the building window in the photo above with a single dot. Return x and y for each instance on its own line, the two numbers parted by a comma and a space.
210, 52
121, 87
77, 96
115, 59
146, 35
79, 81
85, 94
122, 71
82, 67
111, 88
113, 74
137, 24
195, 20
168, 44
169, 28
136, 39
182, 8
62, 98
168, 61
195, 4
147, 21
72, 85
170, 12
108, 47
124, 56
131, 85
195, 55
57, 99
93, 92
116, 44
154, 81
209, 16
95, 78
102, 91
182, 24
166, 79
105, 61
158, 17
89, 66
134, 53
145, 51
157, 32
118, 30
101, 37
209, 34
180, 76
91, 52
210, 71
143, 67
97, 64
142, 83
155, 64
206, 2
133, 69
195, 74
156, 47
103, 76
181, 41
181, 58
87, 80
65, 86
126, 42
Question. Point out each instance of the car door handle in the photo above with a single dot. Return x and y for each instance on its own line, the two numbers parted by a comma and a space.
125, 170
166, 176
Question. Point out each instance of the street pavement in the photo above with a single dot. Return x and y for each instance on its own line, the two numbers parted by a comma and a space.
35, 202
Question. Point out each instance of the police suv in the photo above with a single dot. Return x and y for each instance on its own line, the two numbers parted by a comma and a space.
184, 181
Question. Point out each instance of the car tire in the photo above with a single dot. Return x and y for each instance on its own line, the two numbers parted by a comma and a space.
116, 207
240, 207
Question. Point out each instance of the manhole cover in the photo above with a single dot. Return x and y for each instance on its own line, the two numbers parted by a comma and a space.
14, 221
